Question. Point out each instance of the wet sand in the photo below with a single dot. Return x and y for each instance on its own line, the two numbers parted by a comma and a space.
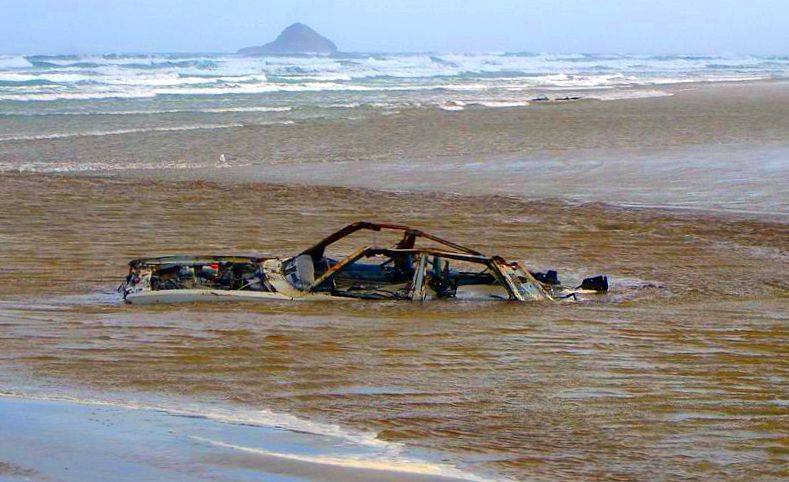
680, 371
101, 441
738, 179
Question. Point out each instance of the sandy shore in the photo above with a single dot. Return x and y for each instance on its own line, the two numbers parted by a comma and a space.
60, 440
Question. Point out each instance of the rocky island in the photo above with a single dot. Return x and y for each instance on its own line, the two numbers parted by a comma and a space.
296, 39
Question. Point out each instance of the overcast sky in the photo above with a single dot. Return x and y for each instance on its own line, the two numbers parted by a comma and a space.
650, 26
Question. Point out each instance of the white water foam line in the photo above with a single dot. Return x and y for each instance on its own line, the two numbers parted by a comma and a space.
237, 416
500, 103
74, 167
45, 97
389, 456
192, 110
390, 464
630, 94
117, 132
134, 131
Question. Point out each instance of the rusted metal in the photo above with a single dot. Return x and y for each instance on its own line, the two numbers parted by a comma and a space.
409, 237
441, 269
338, 267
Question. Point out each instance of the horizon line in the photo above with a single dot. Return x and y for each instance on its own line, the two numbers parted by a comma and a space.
384, 52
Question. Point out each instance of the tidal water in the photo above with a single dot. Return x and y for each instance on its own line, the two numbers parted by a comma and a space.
680, 372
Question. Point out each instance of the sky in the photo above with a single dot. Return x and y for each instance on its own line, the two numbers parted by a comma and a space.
611, 26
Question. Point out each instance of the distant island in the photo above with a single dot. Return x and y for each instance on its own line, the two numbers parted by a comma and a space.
296, 39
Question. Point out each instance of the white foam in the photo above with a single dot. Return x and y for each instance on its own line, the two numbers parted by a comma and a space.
381, 463
483, 78
231, 415
286, 87
209, 110
387, 456
343, 105
44, 97
73, 167
170, 79
17, 76
119, 132
245, 109
500, 103
630, 94
452, 105
14, 62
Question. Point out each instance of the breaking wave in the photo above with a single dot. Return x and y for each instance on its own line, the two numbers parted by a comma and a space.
96, 77
52, 96
208, 110
221, 91
13, 62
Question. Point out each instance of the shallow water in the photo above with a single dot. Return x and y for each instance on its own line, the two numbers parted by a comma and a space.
680, 372
729, 119
104, 440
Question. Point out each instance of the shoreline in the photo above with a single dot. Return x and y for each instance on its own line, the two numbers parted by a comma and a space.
626, 164
697, 114
715, 148
95, 440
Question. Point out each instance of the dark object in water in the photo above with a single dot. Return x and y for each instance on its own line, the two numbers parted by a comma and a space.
597, 283
550, 277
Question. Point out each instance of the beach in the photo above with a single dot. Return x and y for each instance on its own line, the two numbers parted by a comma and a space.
93, 440
680, 370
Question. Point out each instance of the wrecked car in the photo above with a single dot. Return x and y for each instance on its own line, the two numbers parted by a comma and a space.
417, 266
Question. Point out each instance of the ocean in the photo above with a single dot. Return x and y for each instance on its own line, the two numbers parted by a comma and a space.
51, 97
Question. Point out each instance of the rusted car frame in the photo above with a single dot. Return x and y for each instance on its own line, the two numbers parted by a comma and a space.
408, 270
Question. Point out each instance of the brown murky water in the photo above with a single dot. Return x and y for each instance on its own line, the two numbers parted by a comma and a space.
680, 373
